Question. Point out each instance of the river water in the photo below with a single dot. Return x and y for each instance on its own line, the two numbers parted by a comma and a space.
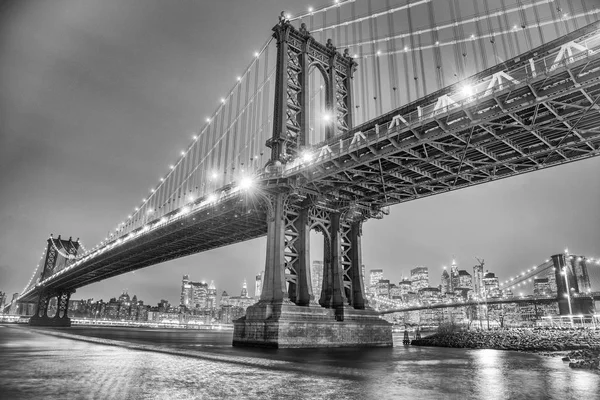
124, 363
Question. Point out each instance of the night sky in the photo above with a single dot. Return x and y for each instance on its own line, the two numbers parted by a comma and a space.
98, 97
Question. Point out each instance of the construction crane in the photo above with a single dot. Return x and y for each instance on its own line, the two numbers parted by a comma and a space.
481, 262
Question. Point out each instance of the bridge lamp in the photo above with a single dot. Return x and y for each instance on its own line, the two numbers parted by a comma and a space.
150, 211
310, 9
172, 166
327, 117
212, 198
246, 183
214, 175
467, 90
208, 120
185, 210
256, 53
239, 78
307, 156
191, 197
182, 153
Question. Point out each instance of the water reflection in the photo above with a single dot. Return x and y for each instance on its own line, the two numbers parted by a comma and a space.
152, 364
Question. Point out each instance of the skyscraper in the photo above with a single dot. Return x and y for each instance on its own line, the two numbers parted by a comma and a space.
446, 283
419, 278
258, 284
454, 275
478, 280
375, 275
199, 294
211, 296
186, 292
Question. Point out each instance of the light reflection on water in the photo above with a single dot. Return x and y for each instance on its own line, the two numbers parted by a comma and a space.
153, 364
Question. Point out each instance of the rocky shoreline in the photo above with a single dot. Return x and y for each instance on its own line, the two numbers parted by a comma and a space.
583, 345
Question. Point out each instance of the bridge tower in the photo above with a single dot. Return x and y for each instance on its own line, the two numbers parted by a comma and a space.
59, 254
572, 283
290, 312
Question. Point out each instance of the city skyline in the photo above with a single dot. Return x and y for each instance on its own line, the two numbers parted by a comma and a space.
120, 118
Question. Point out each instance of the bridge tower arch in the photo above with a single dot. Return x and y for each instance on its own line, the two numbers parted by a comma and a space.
299, 54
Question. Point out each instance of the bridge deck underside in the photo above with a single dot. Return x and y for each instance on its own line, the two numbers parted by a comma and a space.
227, 223
546, 121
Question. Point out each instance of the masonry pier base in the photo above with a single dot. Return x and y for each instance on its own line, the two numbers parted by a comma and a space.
286, 325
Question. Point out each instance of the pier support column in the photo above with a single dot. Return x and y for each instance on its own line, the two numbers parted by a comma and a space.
304, 289
359, 301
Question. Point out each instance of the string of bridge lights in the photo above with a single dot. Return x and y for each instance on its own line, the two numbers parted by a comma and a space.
542, 267
453, 24
195, 138
312, 11
473, 36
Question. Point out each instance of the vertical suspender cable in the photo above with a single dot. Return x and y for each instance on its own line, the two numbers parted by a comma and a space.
392, 60
436, 50
480, 40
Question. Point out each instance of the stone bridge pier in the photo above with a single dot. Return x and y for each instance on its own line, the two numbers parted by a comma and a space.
44, 316
288, 313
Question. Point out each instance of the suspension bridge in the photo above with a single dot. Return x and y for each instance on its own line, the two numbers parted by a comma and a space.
344, 111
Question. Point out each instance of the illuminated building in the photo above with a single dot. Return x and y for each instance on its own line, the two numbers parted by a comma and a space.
382, 288
404, 286
375, 275
419, 278
199, 295
491, 285
446, 286
186, 292
464, 280
478, 287
211, 296
453, 275
430, 294
395, 292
